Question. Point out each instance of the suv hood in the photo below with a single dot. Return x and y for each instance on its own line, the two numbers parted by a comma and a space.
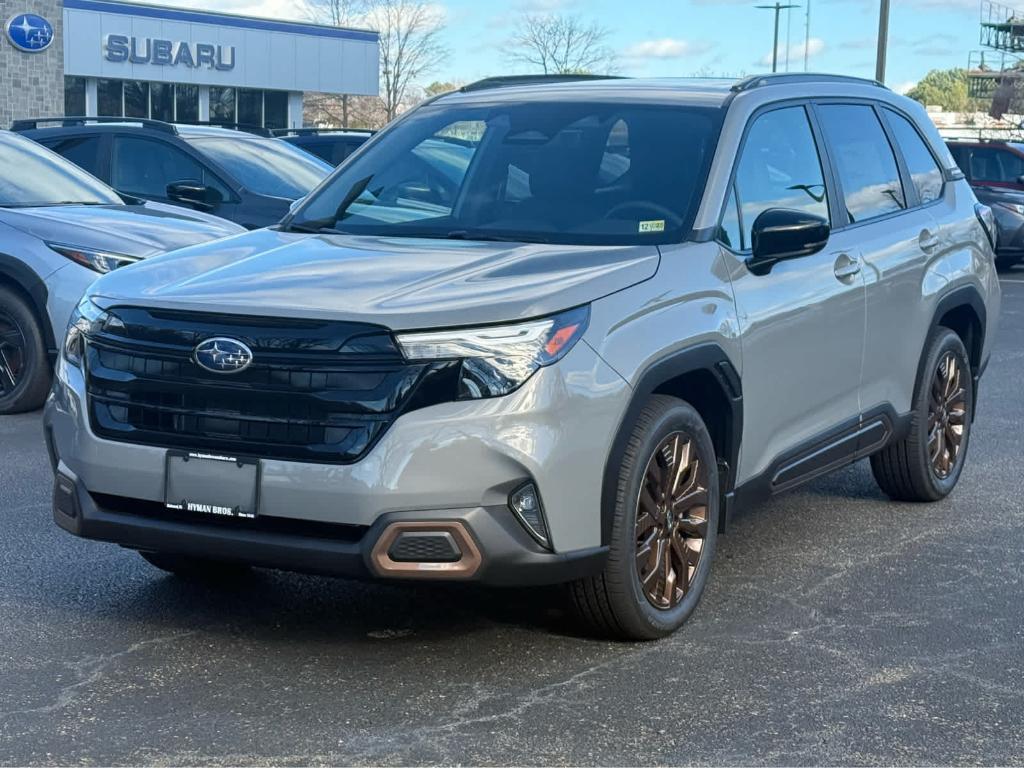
401, 283
133, 230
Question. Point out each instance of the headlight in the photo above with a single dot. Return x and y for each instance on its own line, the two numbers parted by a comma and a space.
1015, 207
98, 261
86, 318
496, 360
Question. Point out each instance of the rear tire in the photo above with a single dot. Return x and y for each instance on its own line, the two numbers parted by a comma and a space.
195, 568
926, 464
25, 374
660, 550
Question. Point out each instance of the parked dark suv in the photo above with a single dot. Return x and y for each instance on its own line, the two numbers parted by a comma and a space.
995, 170
332, 145
248, 178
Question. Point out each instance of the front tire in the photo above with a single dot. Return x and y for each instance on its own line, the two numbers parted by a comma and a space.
664, 528
926, 464
25, 374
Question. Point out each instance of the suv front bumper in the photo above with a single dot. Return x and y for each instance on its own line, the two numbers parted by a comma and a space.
452, 465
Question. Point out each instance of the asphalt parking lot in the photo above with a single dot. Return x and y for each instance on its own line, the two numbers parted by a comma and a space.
839, 628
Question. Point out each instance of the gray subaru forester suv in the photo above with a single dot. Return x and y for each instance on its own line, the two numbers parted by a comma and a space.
543, 331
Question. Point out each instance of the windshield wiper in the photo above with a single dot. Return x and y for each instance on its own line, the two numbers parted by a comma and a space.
465, 234
315, 227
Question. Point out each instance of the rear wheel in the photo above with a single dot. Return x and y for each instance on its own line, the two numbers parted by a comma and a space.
926, 464
24, 367
664, 528
195, 567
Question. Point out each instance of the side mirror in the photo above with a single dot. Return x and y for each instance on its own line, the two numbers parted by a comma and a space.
782, 233
295, 204
193, 193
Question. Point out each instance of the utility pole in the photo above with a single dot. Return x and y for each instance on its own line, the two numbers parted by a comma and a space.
883, 40
807, 35
778, 8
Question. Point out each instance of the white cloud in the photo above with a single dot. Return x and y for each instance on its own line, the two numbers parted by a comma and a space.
665, 48
796, 52
902, 88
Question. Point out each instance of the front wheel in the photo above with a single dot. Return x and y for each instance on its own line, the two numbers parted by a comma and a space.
664, 528
24, 367
926, 464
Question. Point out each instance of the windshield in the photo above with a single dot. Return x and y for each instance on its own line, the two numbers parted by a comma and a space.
33, 176
574, 173
266, 166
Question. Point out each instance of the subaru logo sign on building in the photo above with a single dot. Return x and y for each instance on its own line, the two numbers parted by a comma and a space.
29, 32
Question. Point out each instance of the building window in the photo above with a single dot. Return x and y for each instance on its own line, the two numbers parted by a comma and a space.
275, 109
136, 99
161, 101
186, 103
74, 96
250, 107
222, 105
108, 98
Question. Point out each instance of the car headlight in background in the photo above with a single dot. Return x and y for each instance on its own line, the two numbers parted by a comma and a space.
498, 359
98, 261
1015, 207
86, 318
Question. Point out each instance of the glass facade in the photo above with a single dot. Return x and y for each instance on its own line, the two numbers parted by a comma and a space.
186, 103
222, 105
74, 96
178, 102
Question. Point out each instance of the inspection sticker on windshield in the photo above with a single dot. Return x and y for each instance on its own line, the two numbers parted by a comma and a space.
655, 225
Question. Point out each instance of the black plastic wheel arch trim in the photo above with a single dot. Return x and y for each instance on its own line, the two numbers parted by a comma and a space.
708, 357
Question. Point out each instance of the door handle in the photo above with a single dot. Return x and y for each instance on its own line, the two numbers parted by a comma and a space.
928, 240
846, 266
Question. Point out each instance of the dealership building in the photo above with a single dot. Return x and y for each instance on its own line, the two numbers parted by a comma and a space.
111, 58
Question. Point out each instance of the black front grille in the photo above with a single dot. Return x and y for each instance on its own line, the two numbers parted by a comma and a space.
321, 391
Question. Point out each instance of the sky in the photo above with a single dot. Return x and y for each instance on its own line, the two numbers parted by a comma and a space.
710, 37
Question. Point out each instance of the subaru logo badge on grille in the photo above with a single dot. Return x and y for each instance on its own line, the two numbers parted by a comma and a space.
220, 355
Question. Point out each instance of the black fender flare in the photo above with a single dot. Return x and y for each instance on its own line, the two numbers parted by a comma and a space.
707, 357
14, 271
963, 296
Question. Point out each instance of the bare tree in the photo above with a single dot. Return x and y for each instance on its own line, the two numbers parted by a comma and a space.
337, 13
557, 44
410, 46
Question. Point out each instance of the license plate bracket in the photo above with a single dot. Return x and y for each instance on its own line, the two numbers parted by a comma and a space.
212, 484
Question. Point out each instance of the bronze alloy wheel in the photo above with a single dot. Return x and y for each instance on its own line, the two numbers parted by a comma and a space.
947, 415
671, 521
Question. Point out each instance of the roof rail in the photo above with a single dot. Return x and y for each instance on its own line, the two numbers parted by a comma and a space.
315, 131
784, 78
33, 123
506, 81
243, 127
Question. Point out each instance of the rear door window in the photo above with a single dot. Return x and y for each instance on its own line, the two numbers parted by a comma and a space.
145, 167
924, 171
83, 151
779, 167
864, 161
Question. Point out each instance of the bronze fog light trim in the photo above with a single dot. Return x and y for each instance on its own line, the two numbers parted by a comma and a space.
463, 568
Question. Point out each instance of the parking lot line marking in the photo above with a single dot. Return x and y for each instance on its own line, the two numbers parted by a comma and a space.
1005, 280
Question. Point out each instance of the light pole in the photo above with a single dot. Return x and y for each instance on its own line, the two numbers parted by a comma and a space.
778, 8
883, 40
